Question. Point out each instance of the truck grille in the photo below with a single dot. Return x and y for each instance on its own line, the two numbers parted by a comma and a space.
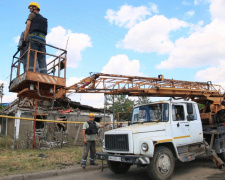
117, 142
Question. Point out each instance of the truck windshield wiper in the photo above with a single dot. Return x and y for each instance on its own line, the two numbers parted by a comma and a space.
138, 122
142, 122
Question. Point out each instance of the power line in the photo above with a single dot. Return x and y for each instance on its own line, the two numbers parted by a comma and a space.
79, 21
111, 36
92, 16
82, 11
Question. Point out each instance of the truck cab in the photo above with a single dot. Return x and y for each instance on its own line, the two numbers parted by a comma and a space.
159, 133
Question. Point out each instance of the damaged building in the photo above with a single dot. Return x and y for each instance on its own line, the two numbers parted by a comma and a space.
73, 113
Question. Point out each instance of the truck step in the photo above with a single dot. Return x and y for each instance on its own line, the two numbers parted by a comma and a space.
185, 157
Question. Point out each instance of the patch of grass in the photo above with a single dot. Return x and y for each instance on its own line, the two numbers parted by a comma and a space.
6, 142
26, 161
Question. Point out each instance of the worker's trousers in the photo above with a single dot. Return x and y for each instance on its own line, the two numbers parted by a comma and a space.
23, 59
89, 146
40, 58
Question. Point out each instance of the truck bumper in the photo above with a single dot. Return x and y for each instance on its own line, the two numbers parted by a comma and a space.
131, 159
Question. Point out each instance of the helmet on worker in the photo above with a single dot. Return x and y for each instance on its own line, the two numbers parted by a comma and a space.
91, 115
34, 4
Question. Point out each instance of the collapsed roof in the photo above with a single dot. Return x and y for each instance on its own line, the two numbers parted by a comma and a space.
59, 104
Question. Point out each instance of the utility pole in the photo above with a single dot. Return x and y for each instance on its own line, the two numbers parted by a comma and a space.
1, 91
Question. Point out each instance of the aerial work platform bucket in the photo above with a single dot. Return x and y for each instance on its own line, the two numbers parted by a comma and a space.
36, 85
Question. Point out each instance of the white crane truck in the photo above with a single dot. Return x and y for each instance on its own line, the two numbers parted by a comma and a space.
159, 133
163, 131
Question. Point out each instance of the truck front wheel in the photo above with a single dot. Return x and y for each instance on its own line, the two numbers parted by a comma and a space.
162, 164
118, 167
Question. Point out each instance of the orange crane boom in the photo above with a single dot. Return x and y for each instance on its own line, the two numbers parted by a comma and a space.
146, 86
211, 95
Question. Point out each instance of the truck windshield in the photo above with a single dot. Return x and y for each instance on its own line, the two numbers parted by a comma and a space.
151, 113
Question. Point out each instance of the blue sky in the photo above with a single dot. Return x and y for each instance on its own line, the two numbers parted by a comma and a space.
183, 40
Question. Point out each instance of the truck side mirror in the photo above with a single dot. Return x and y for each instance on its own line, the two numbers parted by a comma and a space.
189, 108
190, 117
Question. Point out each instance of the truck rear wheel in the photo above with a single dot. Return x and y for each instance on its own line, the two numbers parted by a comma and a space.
162, 164
118, 167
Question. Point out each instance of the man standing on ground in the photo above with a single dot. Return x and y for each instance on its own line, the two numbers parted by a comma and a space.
90, 131
36, 30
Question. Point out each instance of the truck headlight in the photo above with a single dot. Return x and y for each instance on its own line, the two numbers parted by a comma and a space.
144, 146
103, 144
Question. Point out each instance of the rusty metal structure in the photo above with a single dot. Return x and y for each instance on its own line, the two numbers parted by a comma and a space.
142, 86
211, 95
52, 86
36, 85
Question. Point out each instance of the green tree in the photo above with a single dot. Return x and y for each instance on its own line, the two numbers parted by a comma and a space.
142, 100
2, 107
200, 106
121, 104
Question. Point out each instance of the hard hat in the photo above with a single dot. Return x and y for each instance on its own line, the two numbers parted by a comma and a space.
34, 4
91, 114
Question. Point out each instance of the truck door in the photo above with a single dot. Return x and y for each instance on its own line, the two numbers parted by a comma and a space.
180, 125
195, 124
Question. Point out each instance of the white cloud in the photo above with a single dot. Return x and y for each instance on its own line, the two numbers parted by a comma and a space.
153, 8
77, 42
121, 64
16, 39
206, 47
91, 99
197, 27
7, 96
197, 2
72, 80
215, 74
128, 15
217, 9
190, 13
152, 35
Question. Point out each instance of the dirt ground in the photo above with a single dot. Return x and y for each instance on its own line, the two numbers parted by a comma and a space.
202, 168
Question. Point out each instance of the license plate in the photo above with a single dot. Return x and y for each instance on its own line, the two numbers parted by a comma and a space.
114, 158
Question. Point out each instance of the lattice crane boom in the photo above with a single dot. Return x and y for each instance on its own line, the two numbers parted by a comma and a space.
211, 95
146, 86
